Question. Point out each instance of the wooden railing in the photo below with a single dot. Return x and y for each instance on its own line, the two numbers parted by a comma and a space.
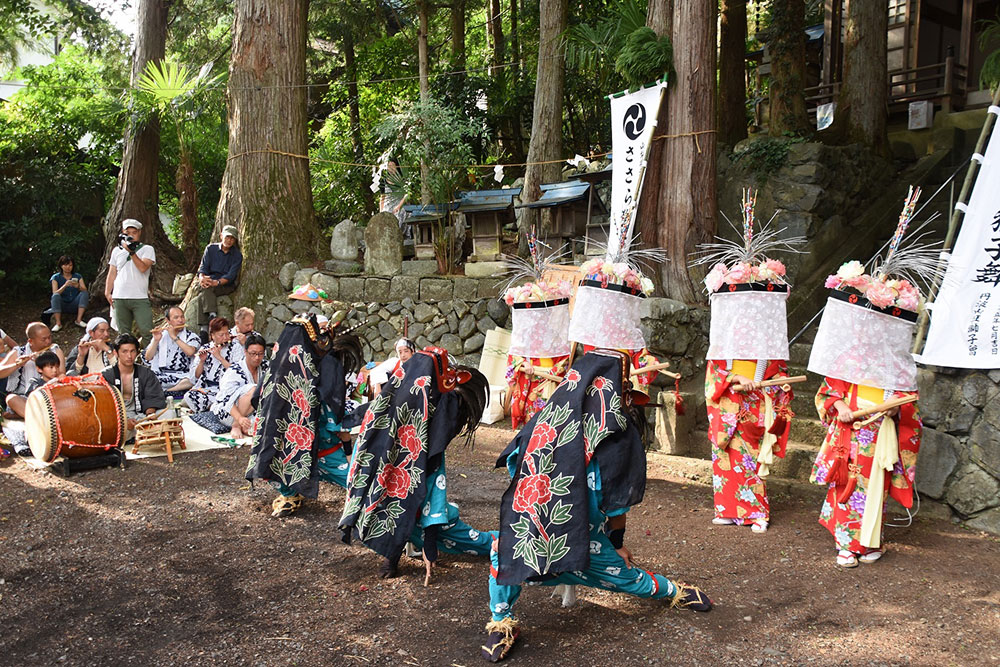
941, 83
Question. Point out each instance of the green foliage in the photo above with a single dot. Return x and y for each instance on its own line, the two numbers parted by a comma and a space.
60, 143
765, 155
989, 75
644, 57
595, 46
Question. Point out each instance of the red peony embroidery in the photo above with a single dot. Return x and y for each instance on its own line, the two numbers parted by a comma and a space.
299, 436
410, 441
421, 382
395, 481
398, 372
301, 402
366, 422
294, 350
531, 490
573, 375
599, 383
542, 435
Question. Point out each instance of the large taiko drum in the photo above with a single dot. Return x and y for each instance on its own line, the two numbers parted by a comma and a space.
74, 417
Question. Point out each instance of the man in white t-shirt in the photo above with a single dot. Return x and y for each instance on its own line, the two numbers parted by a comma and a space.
127, 287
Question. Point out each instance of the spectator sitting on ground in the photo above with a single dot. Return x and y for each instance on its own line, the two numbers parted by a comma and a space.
244, 320
69, 293
232, 404
212, 361
217, 276
48, 365
172, 349
138, 385
19, 365
127, 286
93, 354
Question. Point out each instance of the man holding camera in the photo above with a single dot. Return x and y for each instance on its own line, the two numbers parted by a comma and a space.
127, 287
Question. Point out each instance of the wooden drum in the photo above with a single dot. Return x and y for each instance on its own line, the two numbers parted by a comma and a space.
74, 417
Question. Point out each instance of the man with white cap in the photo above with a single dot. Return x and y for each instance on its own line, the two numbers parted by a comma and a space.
94, 353
218, 274
127, 286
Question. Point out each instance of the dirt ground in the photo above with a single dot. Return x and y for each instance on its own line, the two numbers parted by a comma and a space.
163, 564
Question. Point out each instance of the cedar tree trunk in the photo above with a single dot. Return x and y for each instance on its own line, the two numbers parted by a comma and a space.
137, 190
546, 124
677, 207
423, 62
862, 106
458, 36
495, 25
787, 44
267, 195
732, 72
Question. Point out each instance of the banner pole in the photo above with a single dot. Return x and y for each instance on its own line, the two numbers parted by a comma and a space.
954, 223
642, 170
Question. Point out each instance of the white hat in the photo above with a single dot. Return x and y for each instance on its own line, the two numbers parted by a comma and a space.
131, 222
94, 322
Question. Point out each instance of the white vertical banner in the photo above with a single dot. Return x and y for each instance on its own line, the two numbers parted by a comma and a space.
965, 318
633, 119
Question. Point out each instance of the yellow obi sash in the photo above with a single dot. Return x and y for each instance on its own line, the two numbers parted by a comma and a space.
883, 460
874, 395
745, 367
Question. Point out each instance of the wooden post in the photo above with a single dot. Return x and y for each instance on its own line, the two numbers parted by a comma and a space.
956, 217
831, 43
949, 88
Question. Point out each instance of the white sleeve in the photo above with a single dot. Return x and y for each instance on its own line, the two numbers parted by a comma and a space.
147, 252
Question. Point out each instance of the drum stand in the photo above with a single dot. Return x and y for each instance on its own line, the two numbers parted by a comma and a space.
64, 467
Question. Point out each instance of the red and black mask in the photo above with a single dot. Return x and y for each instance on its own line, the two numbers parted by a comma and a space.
447, 376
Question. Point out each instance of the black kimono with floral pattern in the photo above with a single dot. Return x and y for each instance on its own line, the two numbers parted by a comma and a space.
403, 437
300, 379
544, 515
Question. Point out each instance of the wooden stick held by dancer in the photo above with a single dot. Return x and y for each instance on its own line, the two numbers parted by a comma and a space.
883, 407
773, 382
656, 368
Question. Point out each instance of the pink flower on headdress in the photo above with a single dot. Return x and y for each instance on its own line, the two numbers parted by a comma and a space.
860, 283
832, 281
880, 294
908, 302
739, 274
716, 277
771, 270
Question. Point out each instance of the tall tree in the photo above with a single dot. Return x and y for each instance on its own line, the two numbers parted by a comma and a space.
137, 190
495, 25
786, 41
546, 123
265, 190
515, 41
732, 71
677, 207
862, 106
424, 68
458, 35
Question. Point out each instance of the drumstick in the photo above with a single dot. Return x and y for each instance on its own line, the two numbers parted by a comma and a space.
152, 416
531, 370
883, 407
656, 368
772, 382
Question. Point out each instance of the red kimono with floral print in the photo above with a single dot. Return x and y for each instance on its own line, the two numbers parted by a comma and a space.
735, 430
844, 462
529, 393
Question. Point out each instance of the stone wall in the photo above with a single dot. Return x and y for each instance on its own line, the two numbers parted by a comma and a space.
959, 462
453, 312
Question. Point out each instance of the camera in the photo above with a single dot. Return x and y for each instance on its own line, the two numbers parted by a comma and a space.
132, 245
